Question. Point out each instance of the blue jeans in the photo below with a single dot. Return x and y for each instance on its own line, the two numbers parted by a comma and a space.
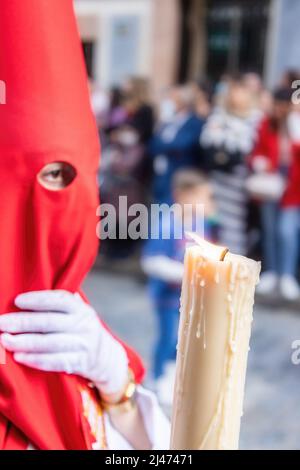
165, 351
289, 241
269, 222
281, 241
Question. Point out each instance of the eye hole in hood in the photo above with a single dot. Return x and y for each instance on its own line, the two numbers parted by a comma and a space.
56, 176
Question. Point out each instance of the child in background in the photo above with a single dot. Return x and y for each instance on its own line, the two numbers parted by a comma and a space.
162, 261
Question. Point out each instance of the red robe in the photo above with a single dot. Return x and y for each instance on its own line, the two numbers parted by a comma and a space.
48, 239
268, 146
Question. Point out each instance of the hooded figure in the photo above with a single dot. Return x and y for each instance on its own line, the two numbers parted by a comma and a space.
48, 238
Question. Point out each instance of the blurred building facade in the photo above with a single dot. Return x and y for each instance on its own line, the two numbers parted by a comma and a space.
171, 40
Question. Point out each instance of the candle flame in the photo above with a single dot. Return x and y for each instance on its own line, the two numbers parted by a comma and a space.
209, 249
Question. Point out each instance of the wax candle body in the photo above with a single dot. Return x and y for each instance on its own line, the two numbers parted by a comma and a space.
215, 325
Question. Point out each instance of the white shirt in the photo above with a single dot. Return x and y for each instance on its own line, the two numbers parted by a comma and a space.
156, 424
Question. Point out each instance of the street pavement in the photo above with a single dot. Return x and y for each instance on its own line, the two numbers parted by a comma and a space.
272, 404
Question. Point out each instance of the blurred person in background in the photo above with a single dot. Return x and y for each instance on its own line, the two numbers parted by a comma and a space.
162, 262
228, 137
262, 104
222, 89
166, 108
125, 166
116, 114
132, 123
262, 98
129, 125
113, 117
276, 163
175, 144
139, 109
202, 98
253, 82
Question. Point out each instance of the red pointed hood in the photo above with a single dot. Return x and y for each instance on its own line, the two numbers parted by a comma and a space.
48, 239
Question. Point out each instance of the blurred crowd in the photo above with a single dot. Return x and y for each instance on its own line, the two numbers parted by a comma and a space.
233, 147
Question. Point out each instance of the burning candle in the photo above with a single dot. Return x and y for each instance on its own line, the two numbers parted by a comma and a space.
214, 332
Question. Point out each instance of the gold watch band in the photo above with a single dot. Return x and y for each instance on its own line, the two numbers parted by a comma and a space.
127, 401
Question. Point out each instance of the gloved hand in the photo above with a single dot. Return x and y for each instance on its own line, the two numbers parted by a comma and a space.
58, 332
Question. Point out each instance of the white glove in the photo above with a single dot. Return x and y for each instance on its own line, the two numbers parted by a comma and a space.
58, 332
